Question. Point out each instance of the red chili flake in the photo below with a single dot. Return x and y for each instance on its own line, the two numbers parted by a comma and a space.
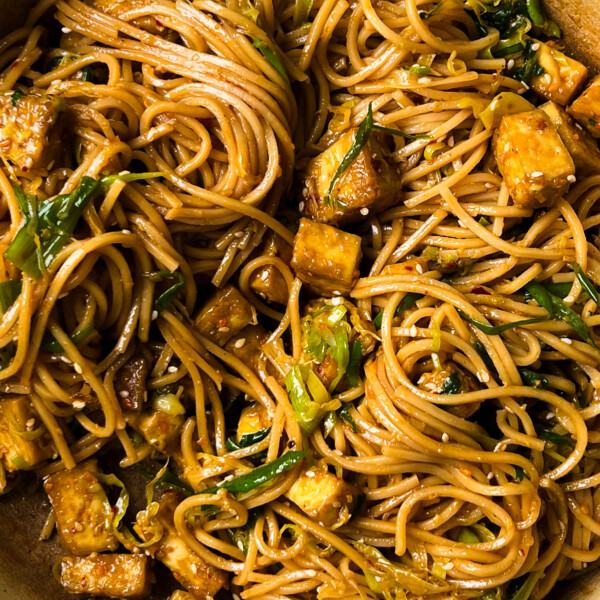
408, 268
222, 322
481, 290
15, 64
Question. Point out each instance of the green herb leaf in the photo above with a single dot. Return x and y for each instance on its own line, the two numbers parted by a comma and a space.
354, 363
362, 137
39, 240
426, 14
260, 475
452, 384
165, 299
554, 438
586, 284
345, 415
270, 57
246, 440
498, 329
407, 302
519, 473
525, 591
49, 341
533, 379
108, 180
167, 481
530, 67
9, 291
16, 97
487, 359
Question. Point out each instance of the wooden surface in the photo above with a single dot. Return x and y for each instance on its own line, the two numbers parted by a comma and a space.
25, 563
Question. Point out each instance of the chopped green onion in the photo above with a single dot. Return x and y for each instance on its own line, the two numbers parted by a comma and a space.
354, 363
167, 297
248, 439
533, 379
534, 10
519, 473
271, 57
586, 284
108, 180
260, 475
498, 329
554, 438
452, 384
345, 415
16, 96
525, 591
9, 291
407, 302
49, 341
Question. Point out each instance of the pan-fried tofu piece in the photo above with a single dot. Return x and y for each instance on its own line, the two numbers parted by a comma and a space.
367, 186
586, 108
536, 166
28, 137
563, 76
326, 258
268, 282
254, 418
581, 145
201, 579
130, 383
324, 496
83, 514
225, 314
161, 428
246, 345
17, 419
107, 575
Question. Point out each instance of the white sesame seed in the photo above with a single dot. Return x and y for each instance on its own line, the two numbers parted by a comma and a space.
78, 404
126, 231
154, 315
509, 410
172, 369
550, 415
537, 174
547, 79
525, 87
338, 452
124, 173
445, 437
510, 65
124, 394
337, 301
566, 340
489, 186
490, 475
65, 360
310, 473
568, 299
364, 211
311, 573
413, 331
194, 568
66, 30
535, 47
337, 293
239, 234
30, 423
448, 566
78, 526
483, 376
423, 80
572, 178
78, 368
451, 142
301, 206
240, 343
223, 329
419, 269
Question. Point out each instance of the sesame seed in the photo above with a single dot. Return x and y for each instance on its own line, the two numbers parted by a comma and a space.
172, 369
30, 423
413, 331
310, 473
311, 573
78, 368
509, 410
126, 231
154, 315
223, 329
124, 394
124, 173
547, 78
194, 568
301, 206
451, 142
239, 234
535, 47
78, 404
445, 437
419, 269
423, 80
550, 415
510, 65
572, 178
489, 186
483, 376
78, 526
537, 174
490, 475
364, 211
66, 30
337, 301
337, 293
338, 452
566, 340
525, 87
448, 566
240, 343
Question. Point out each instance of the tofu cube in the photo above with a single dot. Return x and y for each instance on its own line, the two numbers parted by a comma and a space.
563, 76
16, 452
324, 496
83, 514
160, 429
326, 258
268, 282
201, 579
130, 383
254, 418
107, 575
28, 137
224, 315
586, 108
367, 186
536, 166
581, 145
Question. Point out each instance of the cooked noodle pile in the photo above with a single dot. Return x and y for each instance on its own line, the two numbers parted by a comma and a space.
383, 434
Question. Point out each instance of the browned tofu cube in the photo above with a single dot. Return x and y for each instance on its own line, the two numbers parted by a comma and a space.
326, 258
17, 420
130, 383
563, 76
83, 514
268, 282
586, 108
581, 145
201, 579
28, 137
368, 185
254, 418
536, 166
224, 315
107, 575
161, 428
324, 496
